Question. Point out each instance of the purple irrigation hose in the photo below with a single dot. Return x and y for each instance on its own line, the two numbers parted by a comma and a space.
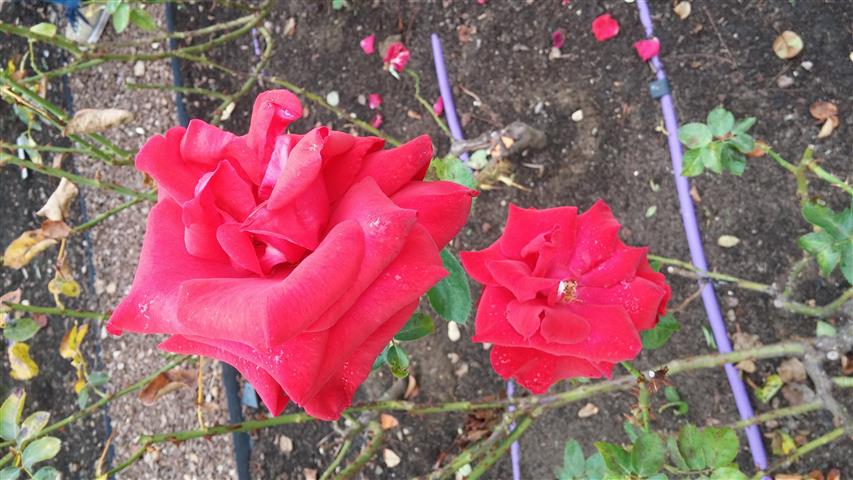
456, 131
697, 255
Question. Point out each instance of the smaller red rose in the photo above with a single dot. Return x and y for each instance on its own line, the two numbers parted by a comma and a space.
397, 57
563, 296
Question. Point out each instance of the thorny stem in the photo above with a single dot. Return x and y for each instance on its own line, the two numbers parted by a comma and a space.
184, 90
342, 452
62, 312
426, 104
249, 82
779, 413
782, 301
80, 414
496, 454
524, 405
77, 179
801, 451
378, 435
105, 215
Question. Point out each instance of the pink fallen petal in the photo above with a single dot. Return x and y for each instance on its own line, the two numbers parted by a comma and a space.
367, 43
565, 2
605, 27
438, 106
377, 121
647, 48
558, 39
374, 100
397, 56
482, 2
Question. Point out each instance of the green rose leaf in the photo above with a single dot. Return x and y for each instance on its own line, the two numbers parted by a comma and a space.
824, 329
771, 387
616, 459
820, 244
112, 6
648, 454
721, 121
451, 297
742, 142
727, 473
658, 336
21, 329
46, 473
452, 169
10, 414
711, 158
744, 125
691, 163
825, 218
573, 462
143, 20
733, 161
10, 473
419, 325
98, 378
595, 468
381, 358
40, 450
398, 361
675, 454
720, 446
695, 135
121, 17
32, 426
690, 445
44, 29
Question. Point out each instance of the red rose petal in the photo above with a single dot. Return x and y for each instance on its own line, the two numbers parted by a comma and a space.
374, 100
160, 157
377, 121
537, 371
367, 44
605, 27
397, 57
647, 48
395, 167
442, 207
438, 106
558, 39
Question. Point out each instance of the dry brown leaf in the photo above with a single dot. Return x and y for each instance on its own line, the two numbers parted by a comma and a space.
694, 194
60, 200
24, 248
93, 120
792, 370
816, 475
412, 389
828, 127
588, 410
759, 151
834, 474
787, 476
9, 297
745, 341
846, 363
747, 366
822, 110
465, 33
414, 115
55, 229
388, 421
290, 27
309, 473
787, 45
682, 9
166, 382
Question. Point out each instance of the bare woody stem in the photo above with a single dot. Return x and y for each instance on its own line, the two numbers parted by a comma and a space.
782, 301
91, 409
62, 312
77, 179
105, 215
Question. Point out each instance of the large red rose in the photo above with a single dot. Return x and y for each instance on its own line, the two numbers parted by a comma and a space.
563, 296
295, 258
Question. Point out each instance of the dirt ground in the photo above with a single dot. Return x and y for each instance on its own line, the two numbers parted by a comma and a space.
497, 56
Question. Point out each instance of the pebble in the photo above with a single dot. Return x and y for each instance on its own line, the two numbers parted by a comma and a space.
453, 332
333, 98
285, 444
784, 81
577, 115
139, 69
391, 459
807, 65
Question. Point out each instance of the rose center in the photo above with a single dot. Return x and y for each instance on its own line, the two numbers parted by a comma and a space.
567, 291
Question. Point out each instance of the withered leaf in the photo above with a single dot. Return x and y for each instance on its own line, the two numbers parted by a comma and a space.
24, 248
822, 110
60, 200
56, 229
93, 120
166, 382
23, 366
787, 45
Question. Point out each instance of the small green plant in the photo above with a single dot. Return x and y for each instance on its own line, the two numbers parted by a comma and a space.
575, 467
832, 242
29, 449
123, 15
720, 144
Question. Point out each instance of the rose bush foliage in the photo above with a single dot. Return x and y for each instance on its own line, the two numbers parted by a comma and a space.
563, 296
295, 258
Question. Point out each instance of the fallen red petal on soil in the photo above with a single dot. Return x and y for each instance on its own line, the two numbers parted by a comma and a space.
605, 27
647, 48
367, 44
